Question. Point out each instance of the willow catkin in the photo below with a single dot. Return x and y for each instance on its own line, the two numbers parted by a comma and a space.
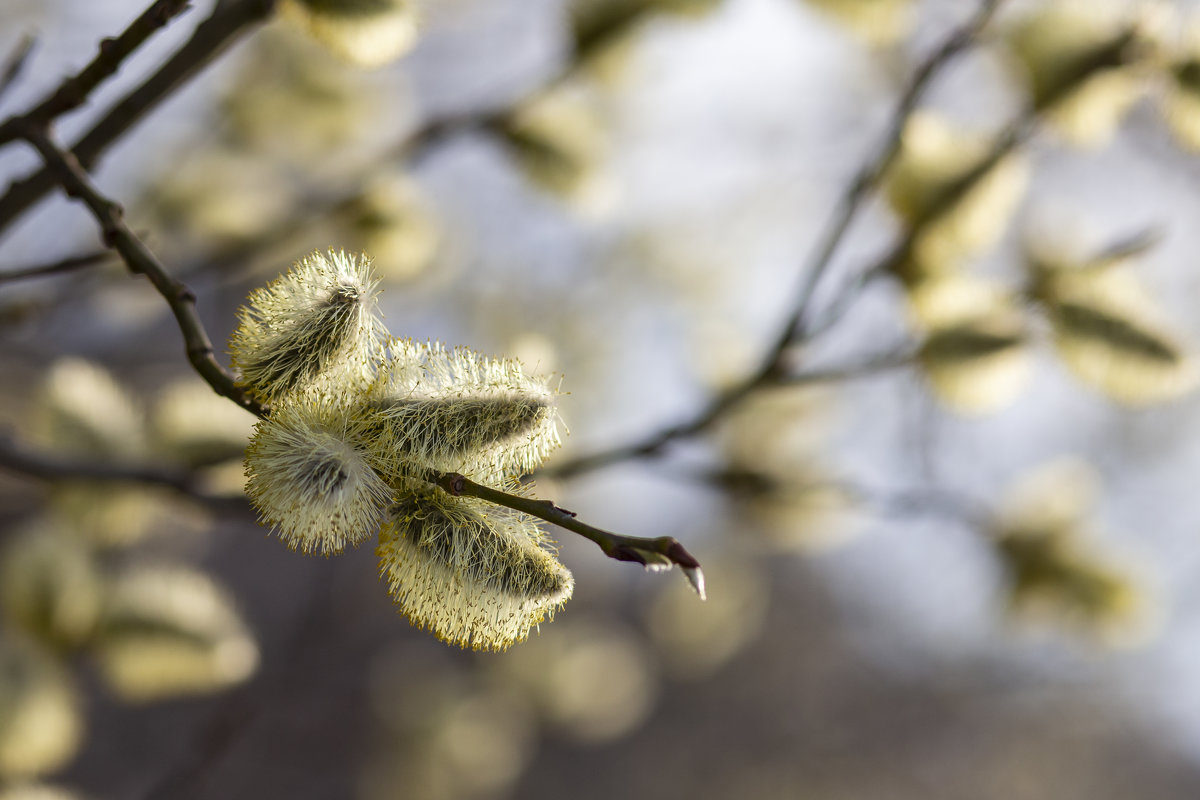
309, 477
458, 411
474, 574
320, 321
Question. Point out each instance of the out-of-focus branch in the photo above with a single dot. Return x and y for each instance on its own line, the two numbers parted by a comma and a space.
662, 552
210, 39
45, 466
74, 91
139, 259
16, 62
70, 264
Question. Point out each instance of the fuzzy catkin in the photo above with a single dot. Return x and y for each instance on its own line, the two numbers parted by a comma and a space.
474, 574
458, 411
317, 324
309, 477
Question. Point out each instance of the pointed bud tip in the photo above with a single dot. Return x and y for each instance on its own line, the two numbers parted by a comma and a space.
695, 577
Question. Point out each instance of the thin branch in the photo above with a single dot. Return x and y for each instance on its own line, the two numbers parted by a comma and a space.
16, 62
872, 172
74, 91
900, 358
140, 260
211, 38
654, 554
70, 264
55, 467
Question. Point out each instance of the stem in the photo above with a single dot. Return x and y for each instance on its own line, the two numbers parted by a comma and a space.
140, 260
657, 553
65, 265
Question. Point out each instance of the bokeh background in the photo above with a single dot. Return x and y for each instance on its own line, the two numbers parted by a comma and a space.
635, 222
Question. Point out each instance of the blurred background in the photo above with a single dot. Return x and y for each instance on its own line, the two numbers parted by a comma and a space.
971, 572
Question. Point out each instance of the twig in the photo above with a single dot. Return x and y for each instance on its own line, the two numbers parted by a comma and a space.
210, 39
818, 264
654, 554
16, 62
55, 467
74, 91
65, 265
140, 260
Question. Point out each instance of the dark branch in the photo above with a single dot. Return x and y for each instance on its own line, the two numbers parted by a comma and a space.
653, 554
74, 91
57, 267
140, 260
16, 63
56, 467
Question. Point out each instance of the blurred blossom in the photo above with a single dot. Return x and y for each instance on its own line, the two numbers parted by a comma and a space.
368, 33
592, 680
1057, 45
974, 351
171, 631
447, 735
193, 424
81, 409
50, 585
1108, 329
694, 639
878, 22
1055, 567
40, 721
920, 186
558, 138
395, 223
292, 102
217, 196
108, 514
1181, 103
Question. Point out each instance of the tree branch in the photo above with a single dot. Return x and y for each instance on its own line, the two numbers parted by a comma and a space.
16, 62
653, 554
74, 91
140, 260
70, 264
210, 39
55, 467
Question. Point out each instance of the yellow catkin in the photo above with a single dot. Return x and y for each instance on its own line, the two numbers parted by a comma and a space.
308, 476
475, 575
457, 411
320, 321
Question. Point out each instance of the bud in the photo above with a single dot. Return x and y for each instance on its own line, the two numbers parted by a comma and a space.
474, 574
321, 320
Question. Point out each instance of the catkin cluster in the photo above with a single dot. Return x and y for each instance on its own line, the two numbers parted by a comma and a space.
361, 424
